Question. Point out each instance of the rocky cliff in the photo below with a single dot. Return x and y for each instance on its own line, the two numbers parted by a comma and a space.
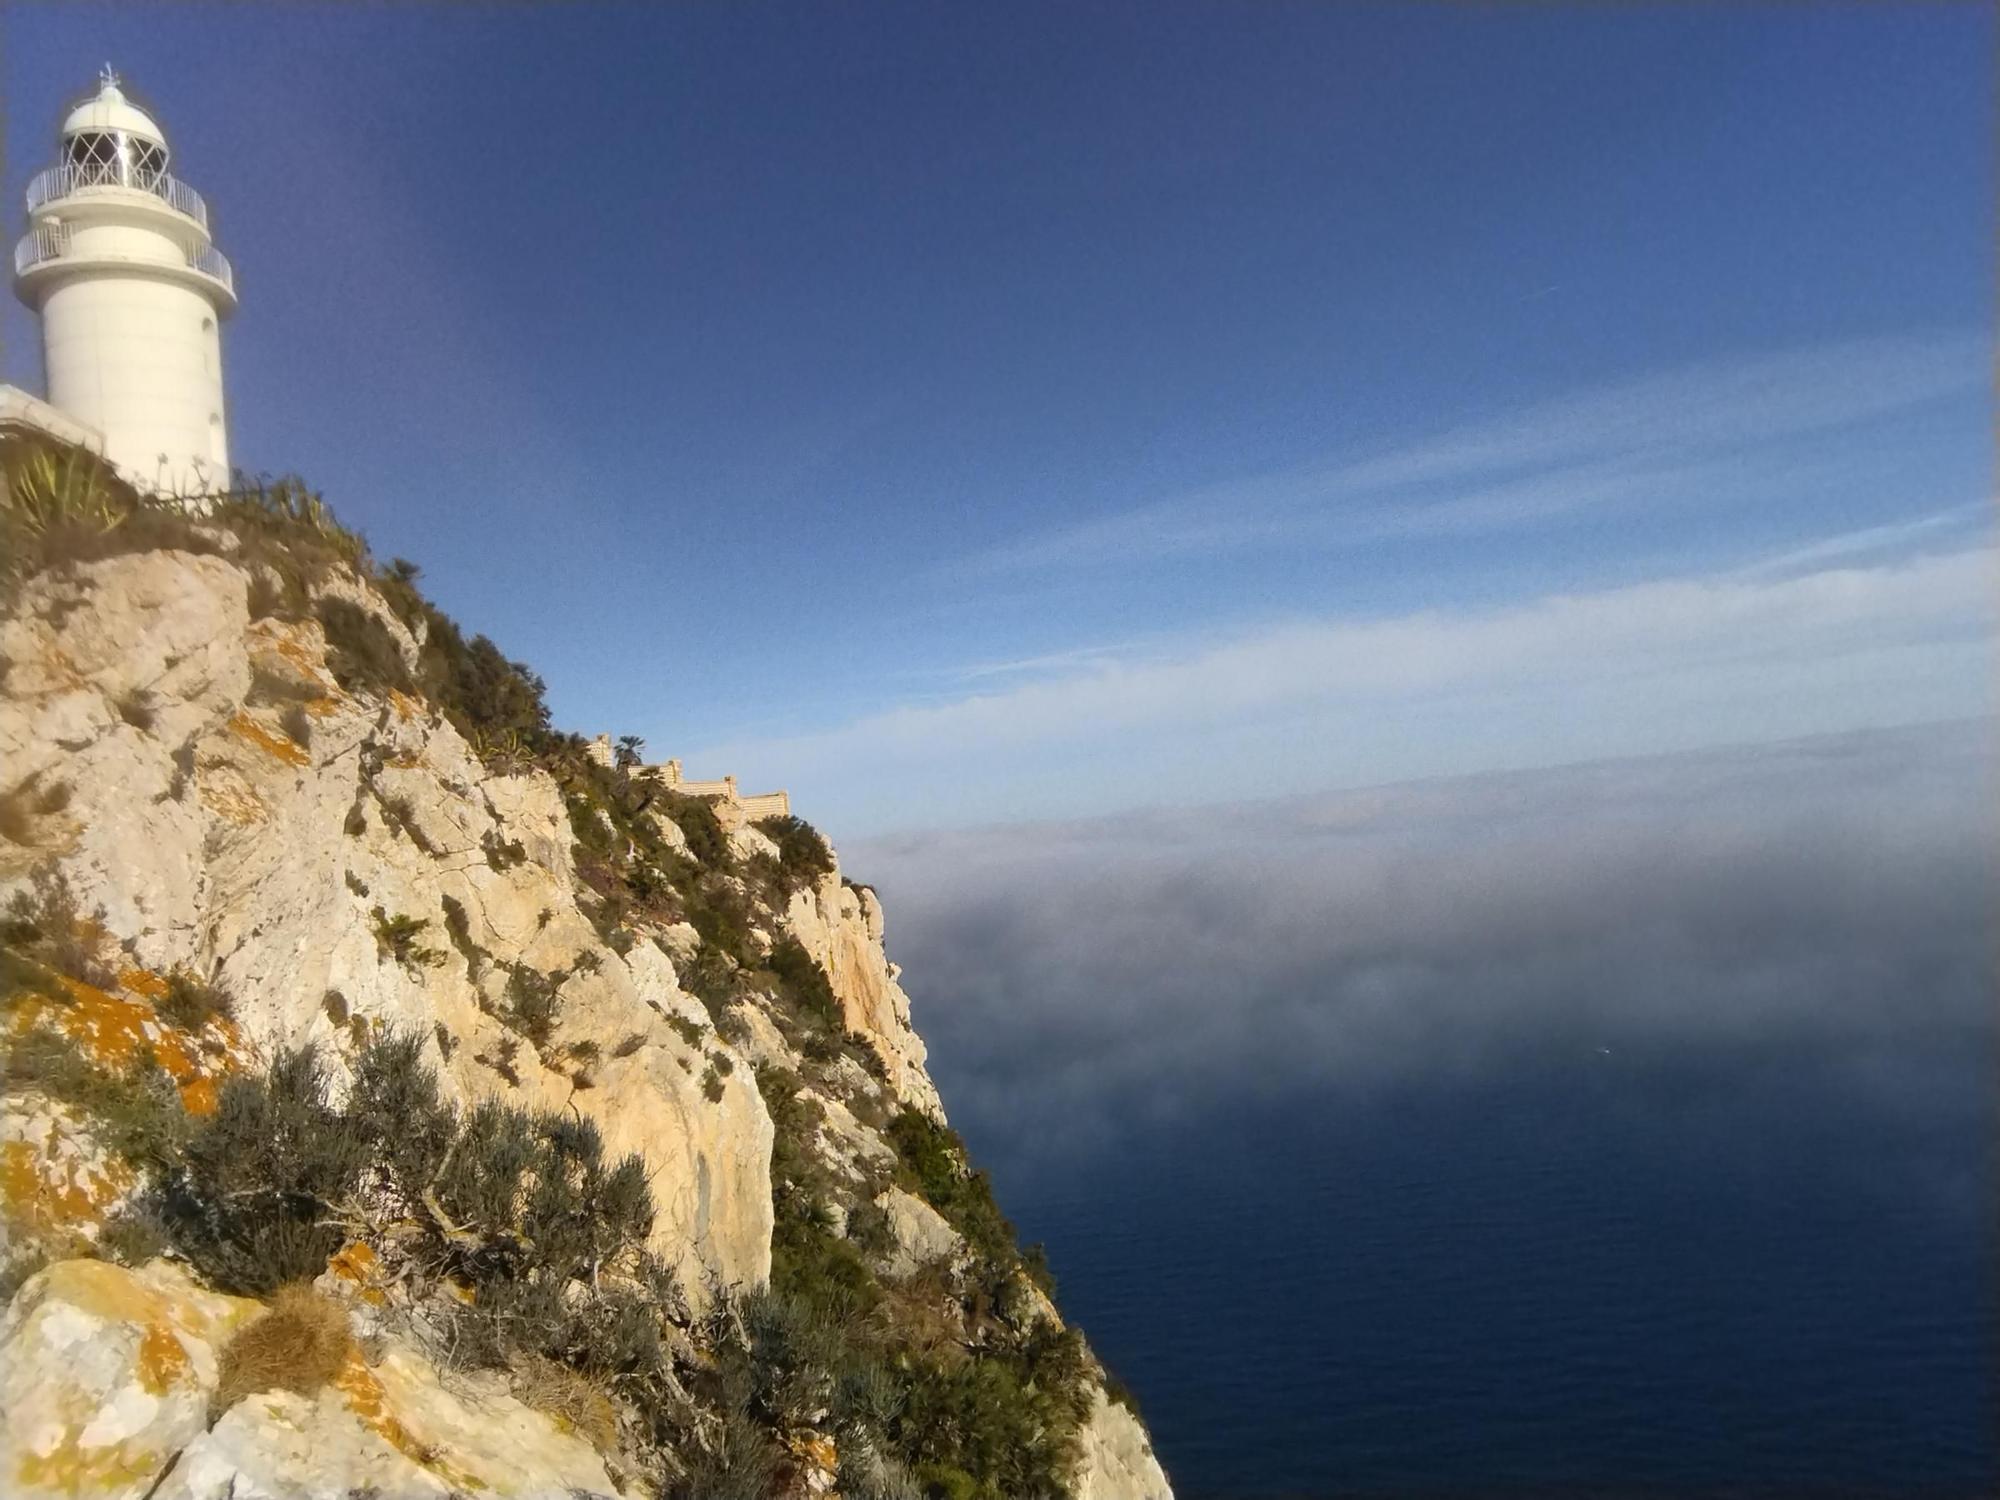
400, 1102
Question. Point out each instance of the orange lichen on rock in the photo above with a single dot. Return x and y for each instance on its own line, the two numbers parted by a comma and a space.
319, 708
279, 746
116, 1033
144, 982
45, 1189
163, 1361
229, 797
369, 1402
355, 1261
69, 1468
286, 651
407, 760
108, 1423
358, 1264
406, 707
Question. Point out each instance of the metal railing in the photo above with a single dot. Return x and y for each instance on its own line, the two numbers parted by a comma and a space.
43, 242
212, 262
60, 181
46, 242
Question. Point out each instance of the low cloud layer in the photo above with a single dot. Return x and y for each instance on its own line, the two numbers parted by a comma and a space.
1080, 981
1802, 644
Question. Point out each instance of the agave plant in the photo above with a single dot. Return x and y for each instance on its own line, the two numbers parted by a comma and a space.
501, 751
49, 491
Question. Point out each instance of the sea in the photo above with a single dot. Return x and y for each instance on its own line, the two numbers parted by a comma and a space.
1536, 1286
1625, 1130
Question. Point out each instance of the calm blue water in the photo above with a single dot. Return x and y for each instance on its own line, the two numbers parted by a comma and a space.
1309, 1101
1707, 1273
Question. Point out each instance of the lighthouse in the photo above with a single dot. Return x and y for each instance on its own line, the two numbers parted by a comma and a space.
120, 263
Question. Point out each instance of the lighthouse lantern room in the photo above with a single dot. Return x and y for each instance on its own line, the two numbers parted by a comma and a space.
119, 262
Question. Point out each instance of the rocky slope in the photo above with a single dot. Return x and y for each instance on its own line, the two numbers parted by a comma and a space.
258, 795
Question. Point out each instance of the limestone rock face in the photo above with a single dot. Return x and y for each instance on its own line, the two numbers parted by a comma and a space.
1117, 1458
57, 1183
344, 865
237, 814
920, 1232
389, 1429
840, 925
106, 1375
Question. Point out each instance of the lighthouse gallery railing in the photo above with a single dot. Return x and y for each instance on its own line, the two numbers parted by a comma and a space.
61, 181
51, 242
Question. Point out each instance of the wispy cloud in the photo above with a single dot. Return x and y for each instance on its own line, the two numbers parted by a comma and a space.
1946, 527
1668, 664
1684, 434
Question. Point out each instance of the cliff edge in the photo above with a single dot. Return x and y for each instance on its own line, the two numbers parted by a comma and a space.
398, 1101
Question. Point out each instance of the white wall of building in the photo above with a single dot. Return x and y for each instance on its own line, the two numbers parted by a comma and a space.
140, 359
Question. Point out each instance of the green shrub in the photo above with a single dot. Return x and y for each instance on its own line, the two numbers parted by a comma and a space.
738, 1461
524, 1209
135, 1112
804, 987
47, 925
487, 697
362, 654
533, 1002
934, 1166
248, 1202
803, 856
191, 1003
398, 937
696, 819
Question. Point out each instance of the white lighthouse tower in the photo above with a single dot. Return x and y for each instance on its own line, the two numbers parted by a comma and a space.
119, 262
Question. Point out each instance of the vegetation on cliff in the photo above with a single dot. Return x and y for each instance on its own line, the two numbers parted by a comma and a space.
507, 1237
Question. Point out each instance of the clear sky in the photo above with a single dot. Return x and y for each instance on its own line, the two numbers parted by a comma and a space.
973, 413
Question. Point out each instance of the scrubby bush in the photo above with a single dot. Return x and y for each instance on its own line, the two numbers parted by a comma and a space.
248, 1200
803, 855
523, 1209
135, 1111
300, 1345
934, 1166
191, 1003
533, 1002
807, 991
47, 926
398, 937
698, 824
361, 652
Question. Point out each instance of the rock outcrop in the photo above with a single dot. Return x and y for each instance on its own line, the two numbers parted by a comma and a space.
236, 810
109, 1376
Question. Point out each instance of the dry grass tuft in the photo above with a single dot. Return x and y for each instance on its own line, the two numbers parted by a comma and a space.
575, 1403
299, 1345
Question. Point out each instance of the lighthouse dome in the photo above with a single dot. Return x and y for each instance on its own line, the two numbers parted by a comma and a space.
110, 140
109, 110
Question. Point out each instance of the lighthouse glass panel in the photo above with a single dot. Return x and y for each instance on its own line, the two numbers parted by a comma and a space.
105, 156
149, 163
96, 152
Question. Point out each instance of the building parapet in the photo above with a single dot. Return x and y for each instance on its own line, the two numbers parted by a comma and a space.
20, 412
753, 806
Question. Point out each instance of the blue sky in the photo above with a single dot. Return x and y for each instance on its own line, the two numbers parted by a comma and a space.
964, 414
